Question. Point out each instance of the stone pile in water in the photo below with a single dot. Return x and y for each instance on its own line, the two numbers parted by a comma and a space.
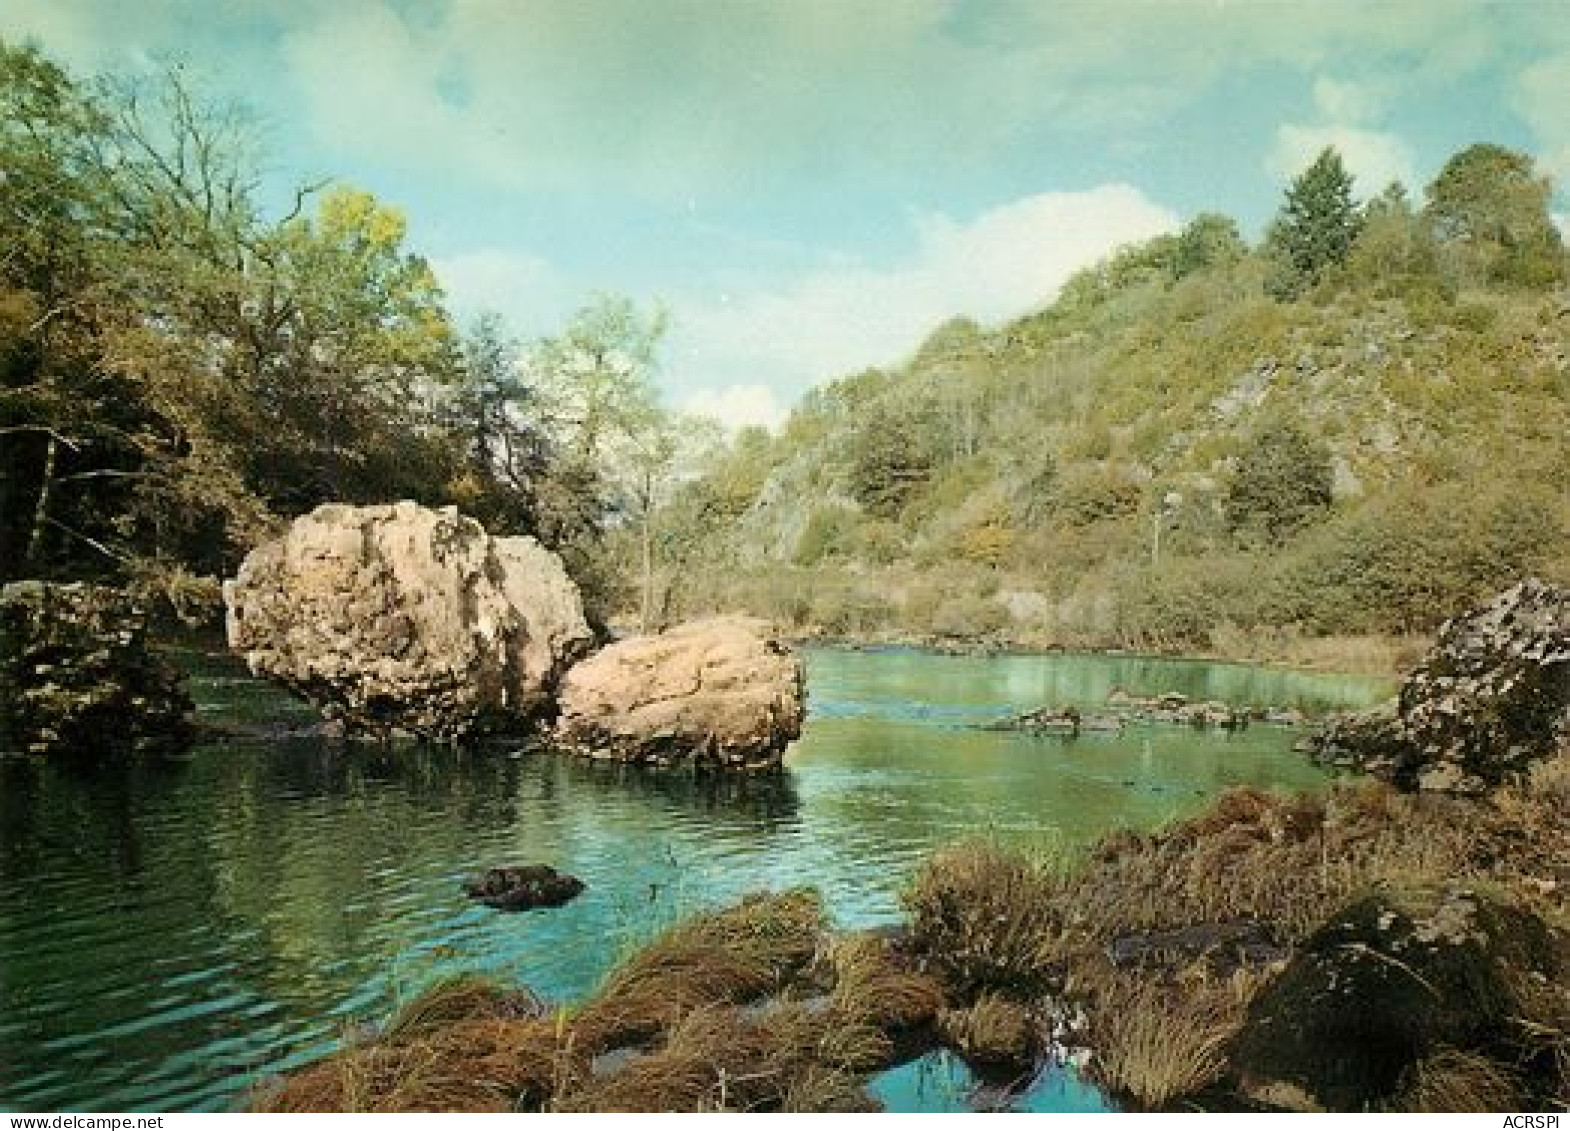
1491, 697
77, 677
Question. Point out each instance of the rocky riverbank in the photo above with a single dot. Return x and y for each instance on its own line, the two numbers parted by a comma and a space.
1489, 699
1201, 966
1196, 965
79, 677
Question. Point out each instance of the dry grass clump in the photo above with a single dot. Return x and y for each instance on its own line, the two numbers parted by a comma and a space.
987, 917
789, 1057
873, 983
1156, 1043
473, 1066
465, 998
732, 956
1286, 861
713, 1059
470, 1045
802, 1033
1451, 1080
993, 1031
464, 1045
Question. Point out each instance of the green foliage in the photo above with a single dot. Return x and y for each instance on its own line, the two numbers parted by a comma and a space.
1008, 478
1283, 480
1417, 555
1208, 240
830, 532
1491, 207
1097, 493
179, 369
890, 459
1316, 227
1395, 250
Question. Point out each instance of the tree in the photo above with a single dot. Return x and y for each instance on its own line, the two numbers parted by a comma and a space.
177, 368
505, 454
1395, 246
1491, 207
652, 457
1316, 226
1208, 240
889, 461
1283, 479
612, 440
596, 376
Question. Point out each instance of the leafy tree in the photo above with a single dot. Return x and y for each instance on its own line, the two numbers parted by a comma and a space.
654, 454
889, 462
505, 453
1395, 246
1208, 240
1283, 479
596, 376
1316, 226
1491, 206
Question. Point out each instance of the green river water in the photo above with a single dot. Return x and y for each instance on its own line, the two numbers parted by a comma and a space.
173, 931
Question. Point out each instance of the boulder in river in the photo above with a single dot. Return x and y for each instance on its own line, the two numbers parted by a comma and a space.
401, 618
723, 692
523, 888
1491, 697
77, 676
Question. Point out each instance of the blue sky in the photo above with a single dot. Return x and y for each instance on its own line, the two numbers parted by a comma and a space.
812, 185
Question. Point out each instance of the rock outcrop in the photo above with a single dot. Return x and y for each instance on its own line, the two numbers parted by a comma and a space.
723, 692
77, 677
405, 619
1490, 698
1385, 983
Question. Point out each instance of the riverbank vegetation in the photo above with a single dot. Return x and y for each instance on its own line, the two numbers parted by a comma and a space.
1154, 951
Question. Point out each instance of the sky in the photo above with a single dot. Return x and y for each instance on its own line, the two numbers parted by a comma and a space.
811, 186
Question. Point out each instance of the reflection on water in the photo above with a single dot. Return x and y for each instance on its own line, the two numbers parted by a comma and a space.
172, 929
942, 1082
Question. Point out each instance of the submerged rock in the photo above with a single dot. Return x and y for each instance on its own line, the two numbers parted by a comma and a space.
78, 678
523, 889
1383, 984
1491, 697
405, 619
722, 692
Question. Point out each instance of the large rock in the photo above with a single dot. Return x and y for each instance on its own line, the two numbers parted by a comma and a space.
78, 678
1386, 982
406, 619
1491, 697
722, 691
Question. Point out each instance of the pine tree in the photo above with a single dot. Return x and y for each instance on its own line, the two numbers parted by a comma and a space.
1316, 226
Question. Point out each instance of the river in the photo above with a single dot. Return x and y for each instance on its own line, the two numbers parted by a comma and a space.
172, 931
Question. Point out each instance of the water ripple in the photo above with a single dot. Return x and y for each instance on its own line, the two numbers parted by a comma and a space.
171, 933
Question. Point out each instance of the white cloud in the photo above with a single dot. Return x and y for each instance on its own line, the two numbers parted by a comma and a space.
523, 288
1373, 158
1540, 97
1345, 101
737, 406
838, 320
1562, 222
